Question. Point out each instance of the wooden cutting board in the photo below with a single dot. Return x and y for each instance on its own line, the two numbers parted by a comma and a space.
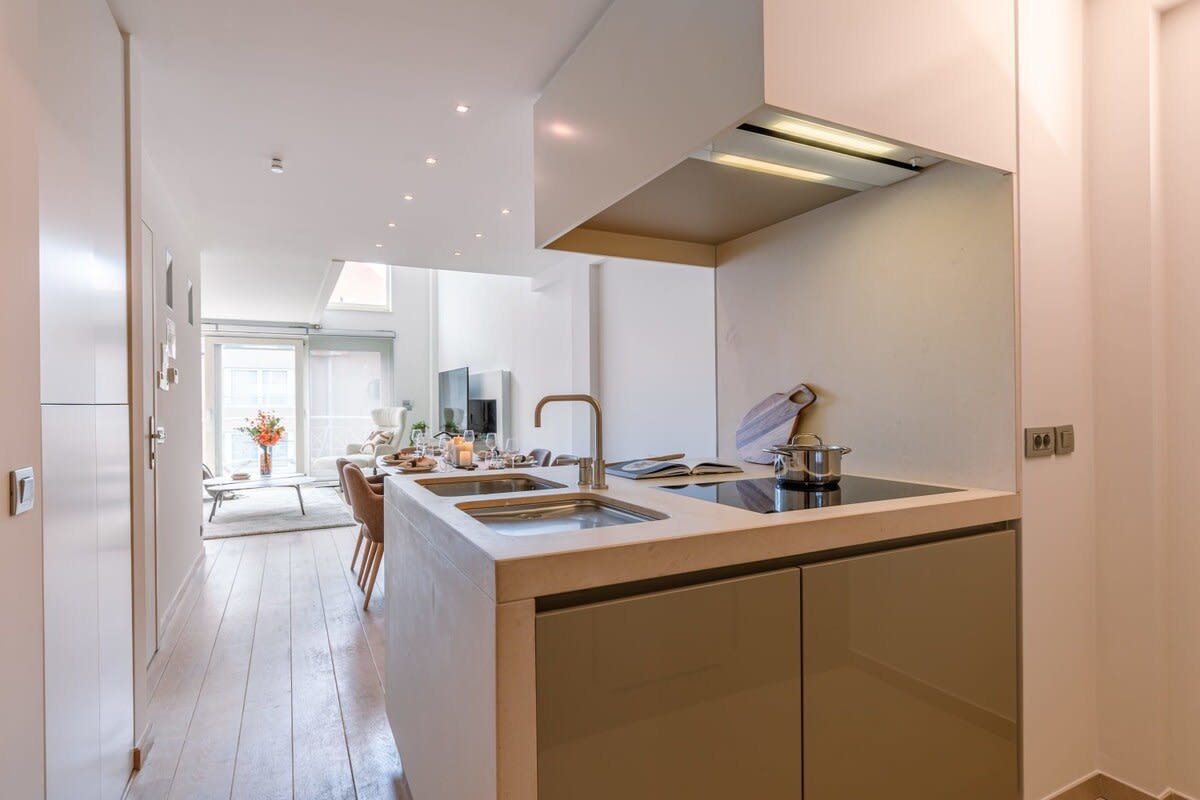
771, 422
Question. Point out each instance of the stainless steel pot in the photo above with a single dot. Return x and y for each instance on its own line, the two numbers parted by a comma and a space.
817, 464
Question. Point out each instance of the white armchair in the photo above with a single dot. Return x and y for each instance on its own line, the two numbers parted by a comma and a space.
386, 438
390, 424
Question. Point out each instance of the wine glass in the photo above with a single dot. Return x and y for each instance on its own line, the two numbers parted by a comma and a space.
468, 437
489, 442
511, 449
420, 442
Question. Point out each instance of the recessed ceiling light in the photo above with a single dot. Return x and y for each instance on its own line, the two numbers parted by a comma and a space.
506, 211
462, 109
277, 165
377, 244
479, 236
391, 224
431, 161
408, 197
458, 252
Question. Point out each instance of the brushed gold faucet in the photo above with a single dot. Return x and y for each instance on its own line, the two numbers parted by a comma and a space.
598, 481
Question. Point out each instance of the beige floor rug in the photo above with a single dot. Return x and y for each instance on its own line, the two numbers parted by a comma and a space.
257, 511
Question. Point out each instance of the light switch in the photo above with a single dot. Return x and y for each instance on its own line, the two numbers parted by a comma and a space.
21, 490
1064, 440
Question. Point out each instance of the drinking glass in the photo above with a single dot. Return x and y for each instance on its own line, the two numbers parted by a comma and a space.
469, 437
420, 443
511, 449
489, 442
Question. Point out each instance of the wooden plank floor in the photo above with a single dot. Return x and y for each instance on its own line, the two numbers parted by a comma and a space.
269, 683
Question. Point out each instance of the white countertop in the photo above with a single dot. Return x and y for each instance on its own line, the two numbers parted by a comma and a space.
696, 535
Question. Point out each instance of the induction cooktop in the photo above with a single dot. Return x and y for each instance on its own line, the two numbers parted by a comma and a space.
768, 496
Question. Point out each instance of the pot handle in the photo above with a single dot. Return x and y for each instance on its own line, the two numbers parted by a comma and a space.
846, 450
820, 441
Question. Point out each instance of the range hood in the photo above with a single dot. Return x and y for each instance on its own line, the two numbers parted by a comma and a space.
677, 126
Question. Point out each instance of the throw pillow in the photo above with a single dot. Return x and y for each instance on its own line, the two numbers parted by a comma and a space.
374, 440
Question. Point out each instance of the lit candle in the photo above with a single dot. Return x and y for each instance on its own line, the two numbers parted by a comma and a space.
466, 452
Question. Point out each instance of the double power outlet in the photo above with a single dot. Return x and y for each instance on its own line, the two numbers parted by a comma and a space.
1049, 441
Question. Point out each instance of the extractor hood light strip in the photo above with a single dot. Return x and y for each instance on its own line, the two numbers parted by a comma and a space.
842, 139
770, 168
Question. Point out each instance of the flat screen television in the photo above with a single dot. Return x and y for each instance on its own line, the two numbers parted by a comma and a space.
481, 416
453, 399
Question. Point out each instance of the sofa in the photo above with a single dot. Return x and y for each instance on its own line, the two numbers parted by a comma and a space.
391, 422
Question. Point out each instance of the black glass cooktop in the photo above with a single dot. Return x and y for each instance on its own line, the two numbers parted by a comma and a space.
768, 496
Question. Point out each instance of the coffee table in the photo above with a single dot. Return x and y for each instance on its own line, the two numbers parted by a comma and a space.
219, 487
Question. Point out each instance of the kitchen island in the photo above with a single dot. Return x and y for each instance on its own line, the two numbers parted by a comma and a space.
481, 624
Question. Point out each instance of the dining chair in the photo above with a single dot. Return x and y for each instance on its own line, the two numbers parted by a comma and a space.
540, 457
565, 460
376, 483
368, 507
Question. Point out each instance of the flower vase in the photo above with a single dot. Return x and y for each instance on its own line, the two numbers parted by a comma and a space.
264, 460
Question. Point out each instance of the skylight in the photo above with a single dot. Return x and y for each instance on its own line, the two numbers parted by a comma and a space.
362, 287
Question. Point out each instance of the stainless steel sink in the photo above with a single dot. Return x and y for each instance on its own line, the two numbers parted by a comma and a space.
487, 484
557, 514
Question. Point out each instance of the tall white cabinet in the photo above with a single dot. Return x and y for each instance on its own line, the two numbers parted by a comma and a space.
84, 395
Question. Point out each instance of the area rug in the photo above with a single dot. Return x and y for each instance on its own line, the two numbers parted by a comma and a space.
258, 511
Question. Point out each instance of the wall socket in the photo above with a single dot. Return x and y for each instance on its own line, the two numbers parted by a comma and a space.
1039, 442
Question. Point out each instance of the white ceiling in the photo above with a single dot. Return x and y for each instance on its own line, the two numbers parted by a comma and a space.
353, 96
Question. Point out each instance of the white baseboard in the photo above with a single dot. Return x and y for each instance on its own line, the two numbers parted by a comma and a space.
168, 614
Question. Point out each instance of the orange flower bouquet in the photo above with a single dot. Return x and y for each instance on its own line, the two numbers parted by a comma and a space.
266, 429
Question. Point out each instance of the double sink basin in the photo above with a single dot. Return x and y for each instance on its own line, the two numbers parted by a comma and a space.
527, 516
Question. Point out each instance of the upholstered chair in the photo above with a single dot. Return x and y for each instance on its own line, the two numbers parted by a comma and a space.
368, 507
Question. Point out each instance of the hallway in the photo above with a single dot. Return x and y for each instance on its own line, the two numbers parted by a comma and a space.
269, 685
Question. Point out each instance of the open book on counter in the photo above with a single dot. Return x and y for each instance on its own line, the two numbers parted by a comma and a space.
651, 468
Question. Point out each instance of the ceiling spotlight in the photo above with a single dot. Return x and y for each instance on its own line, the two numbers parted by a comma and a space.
479, 236
408, 197
377, 244
506, 211
391, 224
431, 161
277, 165
462, 109
458, 252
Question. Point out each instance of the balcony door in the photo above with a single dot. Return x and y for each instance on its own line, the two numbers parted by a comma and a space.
251, 375
348, 377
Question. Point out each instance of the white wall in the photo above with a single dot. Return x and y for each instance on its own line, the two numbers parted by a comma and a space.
179, 410
22, 725
1180, 120
410, 319
279, 288
489, 322
635, 334
657, 359
1129, 388
896, 307
1058, 549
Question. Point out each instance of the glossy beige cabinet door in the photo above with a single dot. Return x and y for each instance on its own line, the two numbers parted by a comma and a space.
88, 601
689, 693
910, 673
